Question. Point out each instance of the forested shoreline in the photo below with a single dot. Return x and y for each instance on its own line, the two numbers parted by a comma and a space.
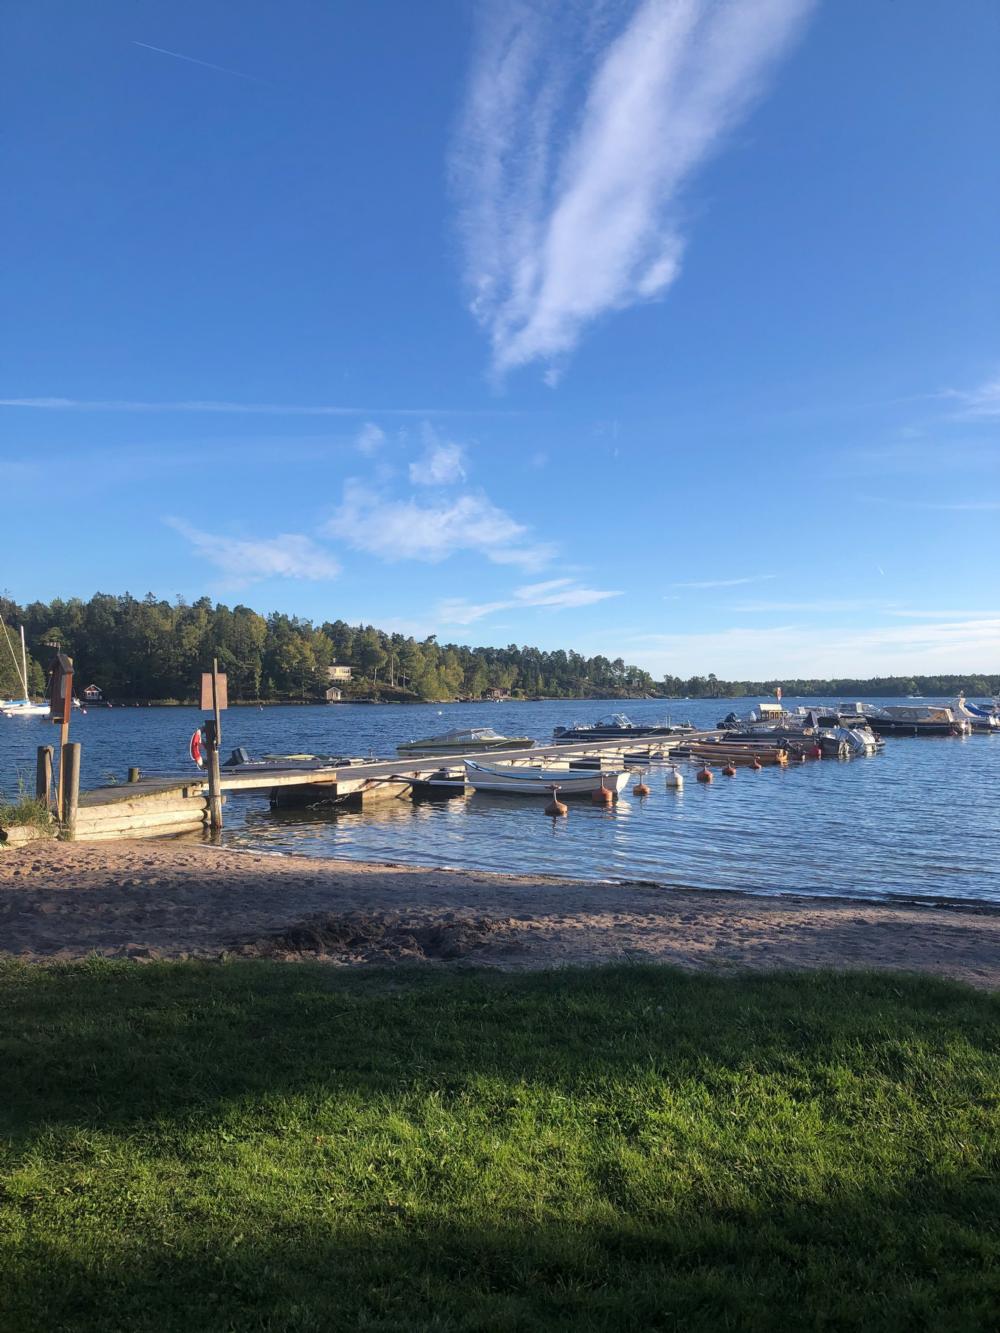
152, 650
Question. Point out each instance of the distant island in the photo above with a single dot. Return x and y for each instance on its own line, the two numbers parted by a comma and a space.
151, 650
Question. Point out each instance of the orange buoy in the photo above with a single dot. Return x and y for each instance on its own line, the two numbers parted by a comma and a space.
555, 806
756, 766
640, 788
730, 770
705, 774
603, 795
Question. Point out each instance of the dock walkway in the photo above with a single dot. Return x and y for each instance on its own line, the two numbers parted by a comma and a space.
163, 805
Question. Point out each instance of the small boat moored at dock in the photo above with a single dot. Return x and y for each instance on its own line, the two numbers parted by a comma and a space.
618, 726
474, 740
540, 781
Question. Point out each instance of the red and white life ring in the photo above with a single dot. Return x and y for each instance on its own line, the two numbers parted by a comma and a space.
196, 749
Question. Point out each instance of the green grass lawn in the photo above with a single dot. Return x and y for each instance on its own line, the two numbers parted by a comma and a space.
260, 1146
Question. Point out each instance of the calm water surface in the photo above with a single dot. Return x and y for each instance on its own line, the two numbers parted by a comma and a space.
922, 818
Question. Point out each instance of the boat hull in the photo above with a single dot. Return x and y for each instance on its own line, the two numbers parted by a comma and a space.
426, 749
539, 782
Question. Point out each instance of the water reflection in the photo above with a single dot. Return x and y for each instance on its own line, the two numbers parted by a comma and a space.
921, 818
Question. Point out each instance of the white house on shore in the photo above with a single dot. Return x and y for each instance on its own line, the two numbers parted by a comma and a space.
338, 673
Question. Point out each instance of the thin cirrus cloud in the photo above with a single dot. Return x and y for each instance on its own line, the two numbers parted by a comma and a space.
554, 594
726, 583
212, 406
576, 140
396, 529
980, 402
790, 650
244, 560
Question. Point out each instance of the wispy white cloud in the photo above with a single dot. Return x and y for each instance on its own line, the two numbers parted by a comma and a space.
555, 595
726, 583
740, 653
369, 439
249, 560
982, 401
579, 132
406, 529
209, 405
193, 60
817, 606
441, 464
955, 506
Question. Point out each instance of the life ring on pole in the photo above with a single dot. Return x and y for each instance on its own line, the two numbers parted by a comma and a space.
196, 748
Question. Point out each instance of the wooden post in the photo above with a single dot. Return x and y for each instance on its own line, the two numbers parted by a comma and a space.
43, 775
67, 708
134, 775
214, 775
69, 775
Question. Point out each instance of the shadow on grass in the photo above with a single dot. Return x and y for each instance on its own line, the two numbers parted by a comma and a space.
258, 1146
882, 1262
115, 1044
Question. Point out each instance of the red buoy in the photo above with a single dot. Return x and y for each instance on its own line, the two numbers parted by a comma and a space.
640, 788
603, 795
555, 806
730, 770
705, 774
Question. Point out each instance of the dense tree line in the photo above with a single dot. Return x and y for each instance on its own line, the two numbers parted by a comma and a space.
151, 649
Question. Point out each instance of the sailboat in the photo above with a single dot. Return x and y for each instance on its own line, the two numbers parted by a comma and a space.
22, 707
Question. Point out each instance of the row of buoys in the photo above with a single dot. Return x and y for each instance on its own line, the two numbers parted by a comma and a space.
674, 778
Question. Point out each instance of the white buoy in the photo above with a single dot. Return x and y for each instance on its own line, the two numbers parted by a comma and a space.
675, 778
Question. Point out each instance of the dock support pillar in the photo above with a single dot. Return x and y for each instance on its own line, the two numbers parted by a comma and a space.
214, 790
134, 775
43, 775
69, 780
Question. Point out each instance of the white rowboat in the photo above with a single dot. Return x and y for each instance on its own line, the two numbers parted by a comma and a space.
540, 781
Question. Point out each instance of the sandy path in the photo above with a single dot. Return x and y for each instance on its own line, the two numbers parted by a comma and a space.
141, 900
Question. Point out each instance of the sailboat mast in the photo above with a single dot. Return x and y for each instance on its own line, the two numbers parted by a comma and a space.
24, 664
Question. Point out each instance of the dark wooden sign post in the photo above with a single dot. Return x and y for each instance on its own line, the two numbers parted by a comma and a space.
60, 710
214, 695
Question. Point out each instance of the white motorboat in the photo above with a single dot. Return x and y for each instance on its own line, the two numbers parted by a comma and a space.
474, 740
531, 781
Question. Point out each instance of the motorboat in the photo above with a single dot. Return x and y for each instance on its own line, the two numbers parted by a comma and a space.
531, 781
474, 740
979, 719
616, 727
915, 720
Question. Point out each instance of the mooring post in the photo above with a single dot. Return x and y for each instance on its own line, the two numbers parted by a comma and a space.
43, 775
69, 774
134, 774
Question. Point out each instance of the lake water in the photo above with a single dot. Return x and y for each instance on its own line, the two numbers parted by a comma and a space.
921, 819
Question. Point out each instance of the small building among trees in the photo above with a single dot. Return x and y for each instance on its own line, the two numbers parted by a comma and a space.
334, 694
92, 694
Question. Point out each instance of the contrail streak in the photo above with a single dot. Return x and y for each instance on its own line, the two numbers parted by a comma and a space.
193, 60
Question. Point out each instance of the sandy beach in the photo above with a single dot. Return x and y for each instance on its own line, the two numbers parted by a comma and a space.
60, 901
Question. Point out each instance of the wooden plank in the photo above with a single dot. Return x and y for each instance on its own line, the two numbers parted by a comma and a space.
145, 821
92, 816
164, 831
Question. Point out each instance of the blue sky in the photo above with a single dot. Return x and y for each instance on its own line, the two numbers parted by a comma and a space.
663, 329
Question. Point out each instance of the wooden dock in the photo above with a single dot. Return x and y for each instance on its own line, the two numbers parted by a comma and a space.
164, 806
